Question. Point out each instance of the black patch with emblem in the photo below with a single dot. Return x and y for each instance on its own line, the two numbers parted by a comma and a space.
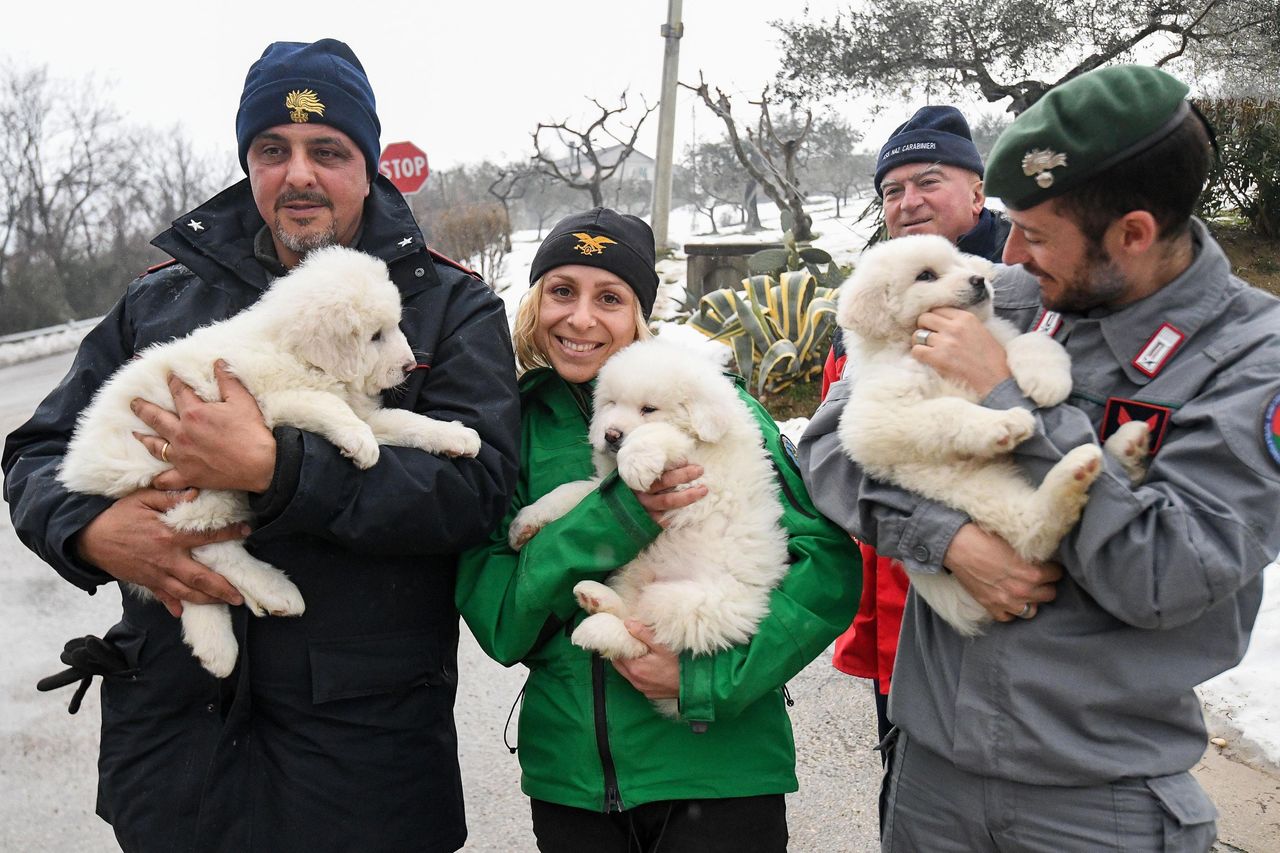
1120, 411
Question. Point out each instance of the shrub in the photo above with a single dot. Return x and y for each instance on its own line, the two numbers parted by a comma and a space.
1246, 178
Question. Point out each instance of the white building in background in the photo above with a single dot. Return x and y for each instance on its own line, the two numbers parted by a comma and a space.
637, 167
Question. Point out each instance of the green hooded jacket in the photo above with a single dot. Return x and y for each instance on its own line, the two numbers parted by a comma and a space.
589, 739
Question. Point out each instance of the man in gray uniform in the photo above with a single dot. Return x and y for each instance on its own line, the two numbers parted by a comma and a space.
1073, 727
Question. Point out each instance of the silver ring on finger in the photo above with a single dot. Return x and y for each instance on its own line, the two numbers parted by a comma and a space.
1028, 610
921, 337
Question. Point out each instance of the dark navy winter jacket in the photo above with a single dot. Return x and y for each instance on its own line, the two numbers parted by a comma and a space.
336, 730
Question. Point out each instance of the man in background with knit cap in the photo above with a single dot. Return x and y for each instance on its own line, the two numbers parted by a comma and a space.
335, 731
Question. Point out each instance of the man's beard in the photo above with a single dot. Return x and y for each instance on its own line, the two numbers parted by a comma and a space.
303, 243
1095, 283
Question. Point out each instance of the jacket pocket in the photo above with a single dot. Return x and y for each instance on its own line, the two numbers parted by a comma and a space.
348, 667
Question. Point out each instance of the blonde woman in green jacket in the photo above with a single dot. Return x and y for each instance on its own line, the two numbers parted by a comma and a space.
605, 772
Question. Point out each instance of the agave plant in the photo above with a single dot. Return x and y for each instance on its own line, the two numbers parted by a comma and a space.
778, 328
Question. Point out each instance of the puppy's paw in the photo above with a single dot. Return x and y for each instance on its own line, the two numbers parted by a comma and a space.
1045, 388
998, 432
640, 463
1015, 427
206, 629
1130, 443
595, 597
1041, 368
524, 527
1076, 471
460, 440
358, 445
273, 594
605, 633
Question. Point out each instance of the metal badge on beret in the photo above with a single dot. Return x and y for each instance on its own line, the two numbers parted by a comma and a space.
1039, 161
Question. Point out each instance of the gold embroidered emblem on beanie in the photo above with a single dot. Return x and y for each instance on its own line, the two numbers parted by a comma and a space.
301, 103
591, 245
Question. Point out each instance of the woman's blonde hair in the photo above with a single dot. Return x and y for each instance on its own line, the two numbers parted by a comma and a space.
528, 355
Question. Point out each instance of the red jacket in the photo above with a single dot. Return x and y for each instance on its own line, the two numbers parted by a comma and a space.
869, 647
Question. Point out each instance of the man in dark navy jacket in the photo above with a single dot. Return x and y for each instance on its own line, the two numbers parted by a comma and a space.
335, 731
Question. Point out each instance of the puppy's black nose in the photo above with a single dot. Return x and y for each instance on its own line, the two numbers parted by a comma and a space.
613, 438
978, 285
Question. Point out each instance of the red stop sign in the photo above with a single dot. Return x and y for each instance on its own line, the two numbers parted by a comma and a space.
405, 165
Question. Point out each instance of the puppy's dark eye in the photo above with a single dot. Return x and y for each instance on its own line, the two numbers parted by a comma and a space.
647, 410
377, 336
927, 275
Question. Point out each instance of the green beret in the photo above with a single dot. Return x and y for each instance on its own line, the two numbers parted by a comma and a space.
1081, 128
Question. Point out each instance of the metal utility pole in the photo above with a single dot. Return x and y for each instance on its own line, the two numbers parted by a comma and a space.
672, 31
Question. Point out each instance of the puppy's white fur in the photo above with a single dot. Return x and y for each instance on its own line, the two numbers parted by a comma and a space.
703, 584
906, 424
315, 351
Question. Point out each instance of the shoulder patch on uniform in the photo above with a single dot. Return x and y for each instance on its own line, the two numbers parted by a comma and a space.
1271, 428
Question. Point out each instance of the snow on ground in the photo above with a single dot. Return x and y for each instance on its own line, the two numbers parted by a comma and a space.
1244, 702
60, 339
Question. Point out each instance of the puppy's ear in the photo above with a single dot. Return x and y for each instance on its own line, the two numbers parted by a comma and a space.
863, 308
711, 407
329, 337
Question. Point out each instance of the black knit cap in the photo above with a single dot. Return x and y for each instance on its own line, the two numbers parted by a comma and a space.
936, 134
604, 238
298, 82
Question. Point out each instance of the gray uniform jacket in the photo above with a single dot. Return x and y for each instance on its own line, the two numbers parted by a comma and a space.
1162, 581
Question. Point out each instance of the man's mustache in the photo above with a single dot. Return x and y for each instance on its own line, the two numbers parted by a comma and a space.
309, 198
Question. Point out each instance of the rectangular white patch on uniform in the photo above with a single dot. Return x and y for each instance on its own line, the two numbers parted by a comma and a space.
1049, 323
1163, 344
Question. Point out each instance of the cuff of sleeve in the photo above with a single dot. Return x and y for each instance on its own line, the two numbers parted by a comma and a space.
1008, 395
83, 574
624, 504
926, 537
696, 705
284, 480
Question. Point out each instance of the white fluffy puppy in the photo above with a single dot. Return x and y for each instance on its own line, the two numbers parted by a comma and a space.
703, 584
905, 424
315, 351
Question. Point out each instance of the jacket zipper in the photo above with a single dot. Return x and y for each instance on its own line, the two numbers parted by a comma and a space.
612, 798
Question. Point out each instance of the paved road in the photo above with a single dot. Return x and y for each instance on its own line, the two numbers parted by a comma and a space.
47, 757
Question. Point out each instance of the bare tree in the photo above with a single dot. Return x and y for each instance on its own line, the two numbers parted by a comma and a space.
509, 183
62, 158
1012, 49
769, 153
833, 165
714, 178
585, 169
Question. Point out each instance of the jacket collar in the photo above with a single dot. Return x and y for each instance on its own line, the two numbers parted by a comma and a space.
217, 238
1175, 312
987, 238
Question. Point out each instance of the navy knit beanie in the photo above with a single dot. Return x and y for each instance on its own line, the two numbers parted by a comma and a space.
932, 135
317, 82
604, 238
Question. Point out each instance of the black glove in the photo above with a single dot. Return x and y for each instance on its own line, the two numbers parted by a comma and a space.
87, 657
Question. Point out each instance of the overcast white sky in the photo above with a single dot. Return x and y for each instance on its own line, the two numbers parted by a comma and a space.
464, 80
